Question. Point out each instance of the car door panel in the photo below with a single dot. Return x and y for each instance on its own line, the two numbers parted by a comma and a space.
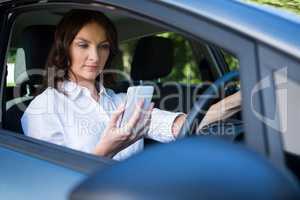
26, 177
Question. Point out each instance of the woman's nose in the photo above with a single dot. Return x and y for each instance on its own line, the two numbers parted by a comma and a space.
94, 54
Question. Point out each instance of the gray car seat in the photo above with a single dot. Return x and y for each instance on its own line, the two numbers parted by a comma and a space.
35, 44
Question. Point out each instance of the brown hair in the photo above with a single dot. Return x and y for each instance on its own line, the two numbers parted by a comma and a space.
58, 63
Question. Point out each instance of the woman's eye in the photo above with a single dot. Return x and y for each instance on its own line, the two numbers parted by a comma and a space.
83, 46
104, 46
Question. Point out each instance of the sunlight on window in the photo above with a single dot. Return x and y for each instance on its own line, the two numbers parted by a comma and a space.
287, 5
10, 80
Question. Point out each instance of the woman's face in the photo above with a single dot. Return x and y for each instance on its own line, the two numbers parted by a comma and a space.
89, 52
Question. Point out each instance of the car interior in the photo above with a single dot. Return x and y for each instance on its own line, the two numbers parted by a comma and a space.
150, 61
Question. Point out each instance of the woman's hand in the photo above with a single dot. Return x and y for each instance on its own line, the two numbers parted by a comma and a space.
177, 124
222, 110
115, 139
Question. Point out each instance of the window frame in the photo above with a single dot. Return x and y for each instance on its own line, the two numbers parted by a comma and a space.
160, 12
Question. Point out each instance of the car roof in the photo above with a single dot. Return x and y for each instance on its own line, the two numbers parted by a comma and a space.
128, 28
277, 29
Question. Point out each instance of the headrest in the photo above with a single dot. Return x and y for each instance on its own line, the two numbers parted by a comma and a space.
153, 58
20, 67
36, 42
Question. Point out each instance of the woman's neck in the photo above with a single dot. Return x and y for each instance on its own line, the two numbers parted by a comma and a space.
90, 85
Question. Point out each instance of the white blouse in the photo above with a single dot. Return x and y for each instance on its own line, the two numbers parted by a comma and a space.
76, 120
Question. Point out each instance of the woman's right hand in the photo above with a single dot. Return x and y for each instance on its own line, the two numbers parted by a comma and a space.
115, 139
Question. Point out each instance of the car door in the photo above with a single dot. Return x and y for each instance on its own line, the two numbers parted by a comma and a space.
32, 169
4, 7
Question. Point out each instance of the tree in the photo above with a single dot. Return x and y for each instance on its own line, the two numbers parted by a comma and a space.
289, 5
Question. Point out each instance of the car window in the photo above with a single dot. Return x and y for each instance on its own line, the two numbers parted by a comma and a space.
231, 61
184, 70
180, 73
233, 64
191, 68
11, 62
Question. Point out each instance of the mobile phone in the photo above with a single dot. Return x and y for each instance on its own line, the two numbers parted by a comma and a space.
134, 95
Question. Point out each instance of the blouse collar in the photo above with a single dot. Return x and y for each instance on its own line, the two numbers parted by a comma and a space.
73, 90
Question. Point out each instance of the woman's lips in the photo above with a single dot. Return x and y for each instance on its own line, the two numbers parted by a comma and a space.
92, 67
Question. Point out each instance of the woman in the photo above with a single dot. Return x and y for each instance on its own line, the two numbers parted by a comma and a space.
76, 110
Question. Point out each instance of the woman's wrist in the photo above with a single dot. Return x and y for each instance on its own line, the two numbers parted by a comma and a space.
102, 150
177, 124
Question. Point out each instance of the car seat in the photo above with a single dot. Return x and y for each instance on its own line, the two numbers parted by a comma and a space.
34, 47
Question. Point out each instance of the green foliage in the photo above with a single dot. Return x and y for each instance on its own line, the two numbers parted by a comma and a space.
232, 61
11, 56
185, 69
290, 5
127, 49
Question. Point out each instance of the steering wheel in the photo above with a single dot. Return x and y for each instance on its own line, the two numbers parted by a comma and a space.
203, 103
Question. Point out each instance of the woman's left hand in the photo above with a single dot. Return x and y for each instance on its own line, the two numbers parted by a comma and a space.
177, 124
115, 139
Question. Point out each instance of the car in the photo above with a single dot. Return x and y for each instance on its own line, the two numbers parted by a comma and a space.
199, 47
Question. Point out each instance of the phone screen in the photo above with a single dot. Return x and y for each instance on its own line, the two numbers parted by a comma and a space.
134, 95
